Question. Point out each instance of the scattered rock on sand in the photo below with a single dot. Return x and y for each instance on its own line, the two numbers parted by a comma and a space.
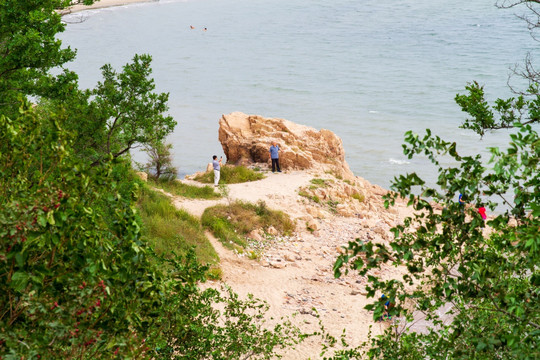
255, 235
272, 231
312, 225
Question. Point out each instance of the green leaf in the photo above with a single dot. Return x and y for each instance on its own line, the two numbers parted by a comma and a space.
19, 280
42, 220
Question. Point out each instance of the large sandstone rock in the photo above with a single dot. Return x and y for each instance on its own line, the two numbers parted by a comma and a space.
246, 139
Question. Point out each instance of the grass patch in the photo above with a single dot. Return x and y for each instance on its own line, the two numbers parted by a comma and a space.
189, 191
305, 194
231, 175
358, 196
231, 223
171, 230
319, 182
334, 174
332, 205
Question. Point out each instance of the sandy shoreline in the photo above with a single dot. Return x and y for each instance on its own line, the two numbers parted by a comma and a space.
103, 4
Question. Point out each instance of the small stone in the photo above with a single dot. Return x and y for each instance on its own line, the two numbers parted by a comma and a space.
255, 235
359, 292
272, 231
288, 257
277, 265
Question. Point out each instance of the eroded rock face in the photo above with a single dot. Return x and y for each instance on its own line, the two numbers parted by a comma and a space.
246, 139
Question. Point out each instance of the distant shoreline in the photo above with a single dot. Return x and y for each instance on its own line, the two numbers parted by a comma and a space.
102, 4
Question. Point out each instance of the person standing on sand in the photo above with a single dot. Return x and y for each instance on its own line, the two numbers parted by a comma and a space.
217, 168
274, 155
482, 212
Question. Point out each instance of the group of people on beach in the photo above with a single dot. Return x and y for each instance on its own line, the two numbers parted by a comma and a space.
274, 156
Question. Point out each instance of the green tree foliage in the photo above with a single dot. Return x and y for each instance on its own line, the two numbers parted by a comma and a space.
121, 113
160, 161
505, 112
75, 277
77, 280
476, 282
485, 273
196, 329
29, 49
131, 112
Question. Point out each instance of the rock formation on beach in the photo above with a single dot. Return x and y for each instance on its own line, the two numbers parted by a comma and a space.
246, 139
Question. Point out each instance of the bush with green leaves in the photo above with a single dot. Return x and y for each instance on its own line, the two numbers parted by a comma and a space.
171, 231
485, 272
217, 324
231, 175
231, 223
77, 279
159, 165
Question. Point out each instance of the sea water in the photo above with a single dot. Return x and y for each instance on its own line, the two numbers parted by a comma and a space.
366, 70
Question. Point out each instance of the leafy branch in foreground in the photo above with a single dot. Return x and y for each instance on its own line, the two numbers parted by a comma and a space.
217, 324
79, 281
503, 115
477, 283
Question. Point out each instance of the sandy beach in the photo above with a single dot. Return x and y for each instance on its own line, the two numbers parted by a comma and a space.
103, 4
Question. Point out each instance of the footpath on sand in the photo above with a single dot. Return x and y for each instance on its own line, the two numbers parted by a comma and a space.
278, 191
294, 274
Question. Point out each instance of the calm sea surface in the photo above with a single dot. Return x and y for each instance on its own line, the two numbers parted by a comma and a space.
367, 70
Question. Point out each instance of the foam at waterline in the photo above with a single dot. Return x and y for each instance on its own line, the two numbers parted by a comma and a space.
398, 162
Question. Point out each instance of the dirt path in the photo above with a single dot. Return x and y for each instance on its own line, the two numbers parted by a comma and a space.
294, 274
279, 191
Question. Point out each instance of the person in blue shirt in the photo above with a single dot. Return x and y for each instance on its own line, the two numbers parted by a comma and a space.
461, 201
217, 167
274, 155
387, 307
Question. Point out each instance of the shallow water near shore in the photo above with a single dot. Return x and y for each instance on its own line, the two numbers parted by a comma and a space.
368, 71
